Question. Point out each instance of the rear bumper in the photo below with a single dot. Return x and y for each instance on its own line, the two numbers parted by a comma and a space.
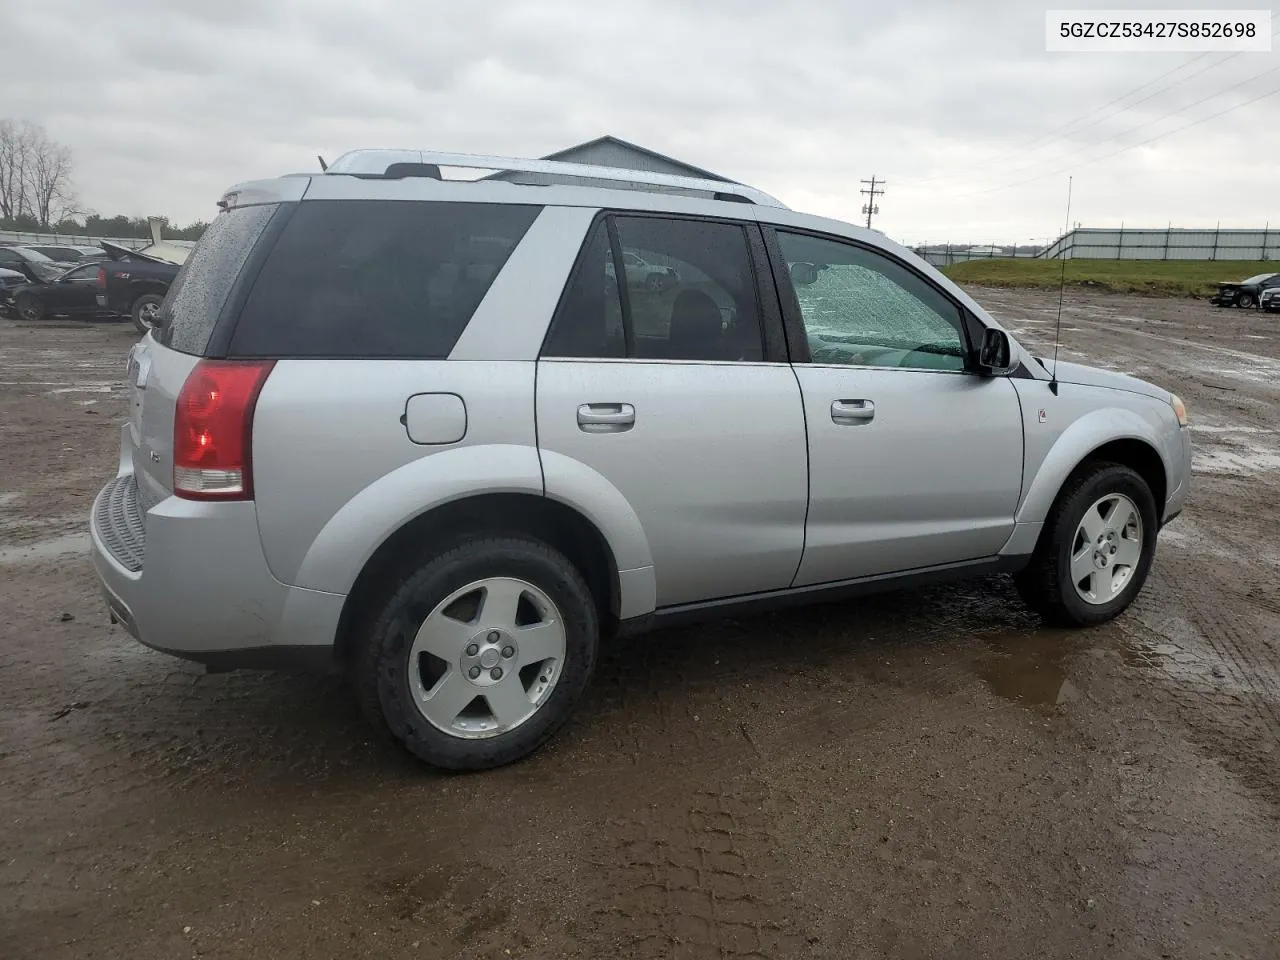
189, 578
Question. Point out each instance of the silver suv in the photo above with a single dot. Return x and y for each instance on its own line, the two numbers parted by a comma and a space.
415, 429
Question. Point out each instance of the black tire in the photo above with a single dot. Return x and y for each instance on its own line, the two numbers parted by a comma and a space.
380, 668
28, 308
1245, 300
140, 308
1045, 584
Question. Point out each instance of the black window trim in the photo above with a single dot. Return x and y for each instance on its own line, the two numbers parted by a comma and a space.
768, 300
620, 282
224, 328
793, 321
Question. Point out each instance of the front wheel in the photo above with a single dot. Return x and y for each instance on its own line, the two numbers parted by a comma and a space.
480, 654
657, 282
1096, 548
145, 310
29, 308
1245, 300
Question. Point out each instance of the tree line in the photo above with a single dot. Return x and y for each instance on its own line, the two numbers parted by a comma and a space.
37, 193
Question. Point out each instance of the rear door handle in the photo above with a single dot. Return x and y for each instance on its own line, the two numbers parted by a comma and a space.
847, 412
606, 417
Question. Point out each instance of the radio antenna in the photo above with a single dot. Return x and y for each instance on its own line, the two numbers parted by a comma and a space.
1062, 289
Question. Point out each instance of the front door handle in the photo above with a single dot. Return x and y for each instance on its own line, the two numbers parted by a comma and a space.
606, 417
849, 412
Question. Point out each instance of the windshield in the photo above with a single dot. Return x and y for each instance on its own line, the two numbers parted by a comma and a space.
33, 255
1260, 277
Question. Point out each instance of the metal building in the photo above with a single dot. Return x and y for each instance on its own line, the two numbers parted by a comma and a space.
611, 152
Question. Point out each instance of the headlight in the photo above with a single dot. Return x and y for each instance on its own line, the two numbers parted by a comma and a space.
1179, 409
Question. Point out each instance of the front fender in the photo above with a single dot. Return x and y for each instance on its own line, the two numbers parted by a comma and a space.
1075, 443
345, 544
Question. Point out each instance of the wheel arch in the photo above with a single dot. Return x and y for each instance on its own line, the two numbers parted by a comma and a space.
1115, 435
543, 518
142, 288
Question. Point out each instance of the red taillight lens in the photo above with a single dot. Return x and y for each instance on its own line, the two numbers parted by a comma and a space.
213, 429
102, 279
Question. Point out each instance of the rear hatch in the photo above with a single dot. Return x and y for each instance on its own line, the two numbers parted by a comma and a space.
160, 363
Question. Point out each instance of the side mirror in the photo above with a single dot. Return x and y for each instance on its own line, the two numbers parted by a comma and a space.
803, 274
995, 355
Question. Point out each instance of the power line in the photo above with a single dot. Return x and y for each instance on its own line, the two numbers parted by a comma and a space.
1109, 103
1050, 136
1132, 146
1165, 116
871, 207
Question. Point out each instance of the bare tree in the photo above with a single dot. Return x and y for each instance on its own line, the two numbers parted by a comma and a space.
35, 174
15, 156
49, 180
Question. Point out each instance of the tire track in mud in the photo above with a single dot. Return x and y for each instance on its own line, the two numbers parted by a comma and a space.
1237, 704
696, 879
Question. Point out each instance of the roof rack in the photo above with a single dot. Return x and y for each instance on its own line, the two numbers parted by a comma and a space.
396, 164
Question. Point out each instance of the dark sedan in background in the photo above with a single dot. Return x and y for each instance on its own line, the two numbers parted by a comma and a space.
73, 293
32, 263
1244, 293
64, 253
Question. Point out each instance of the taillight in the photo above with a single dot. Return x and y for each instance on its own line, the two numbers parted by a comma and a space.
102, 279
213, 429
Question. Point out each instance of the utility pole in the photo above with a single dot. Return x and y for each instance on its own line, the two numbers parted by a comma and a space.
871, 207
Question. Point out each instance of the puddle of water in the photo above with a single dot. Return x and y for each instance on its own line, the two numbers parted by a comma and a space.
1232, 463
63, 546
1031, 669
95, 388
1205, 428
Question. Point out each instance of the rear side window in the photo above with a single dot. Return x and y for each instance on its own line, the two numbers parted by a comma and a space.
377, 278
198, 293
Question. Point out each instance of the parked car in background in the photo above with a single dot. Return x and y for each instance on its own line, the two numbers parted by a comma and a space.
9, 280
67, 254
1270, 300
361, 439
642, 273
73, 294
133, 284
32, 264
1244, 293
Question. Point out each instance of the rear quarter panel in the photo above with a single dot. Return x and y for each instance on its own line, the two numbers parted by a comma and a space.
335, 472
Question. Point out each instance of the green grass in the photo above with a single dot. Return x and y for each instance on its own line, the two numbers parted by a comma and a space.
1157, 278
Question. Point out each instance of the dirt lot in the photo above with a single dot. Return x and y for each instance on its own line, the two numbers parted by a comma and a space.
928, 774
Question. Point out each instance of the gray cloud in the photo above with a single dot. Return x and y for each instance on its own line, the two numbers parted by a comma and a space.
167, 103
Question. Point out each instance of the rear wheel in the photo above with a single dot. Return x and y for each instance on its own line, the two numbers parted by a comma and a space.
145, 310
480, 654
1096, 549
29, 308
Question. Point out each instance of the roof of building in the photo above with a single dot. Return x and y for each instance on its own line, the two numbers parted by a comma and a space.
626, 144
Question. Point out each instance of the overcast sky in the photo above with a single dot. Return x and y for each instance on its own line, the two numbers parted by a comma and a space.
167, 102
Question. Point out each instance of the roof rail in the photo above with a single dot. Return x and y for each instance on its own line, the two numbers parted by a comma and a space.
384, 163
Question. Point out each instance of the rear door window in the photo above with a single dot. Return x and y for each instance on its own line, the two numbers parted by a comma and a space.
377, 278
688, 292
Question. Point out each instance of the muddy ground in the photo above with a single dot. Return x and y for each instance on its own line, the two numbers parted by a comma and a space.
927, 774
